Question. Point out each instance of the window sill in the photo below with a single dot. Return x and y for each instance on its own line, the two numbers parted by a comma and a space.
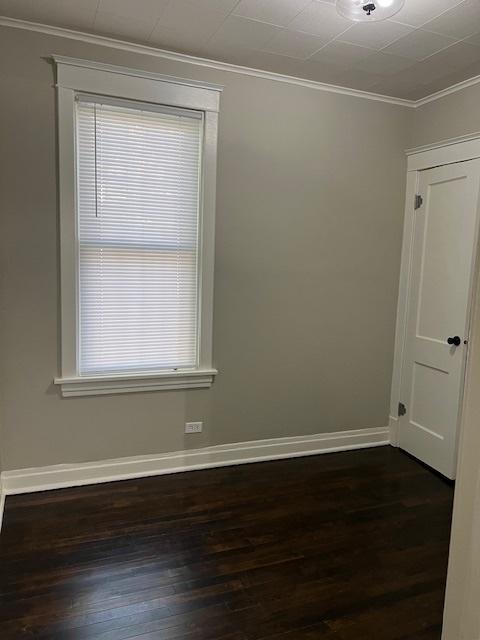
131, 383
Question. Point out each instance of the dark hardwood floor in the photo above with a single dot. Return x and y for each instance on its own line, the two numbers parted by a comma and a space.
345, 546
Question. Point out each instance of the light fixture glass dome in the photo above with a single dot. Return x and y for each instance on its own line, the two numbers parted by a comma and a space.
368, 10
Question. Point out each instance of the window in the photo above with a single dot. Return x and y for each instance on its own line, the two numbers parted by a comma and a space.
137, 180
138, 196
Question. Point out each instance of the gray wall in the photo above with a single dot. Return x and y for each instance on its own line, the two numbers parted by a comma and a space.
309, 223
455, 115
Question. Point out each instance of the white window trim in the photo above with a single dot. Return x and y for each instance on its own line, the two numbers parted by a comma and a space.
82, 76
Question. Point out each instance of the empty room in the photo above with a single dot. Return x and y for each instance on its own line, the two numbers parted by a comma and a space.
239, 319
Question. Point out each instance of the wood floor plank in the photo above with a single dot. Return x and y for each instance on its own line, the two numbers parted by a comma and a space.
343, 546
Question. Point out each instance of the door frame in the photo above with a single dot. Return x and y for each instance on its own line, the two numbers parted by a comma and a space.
461, 616
461, 620
442, 153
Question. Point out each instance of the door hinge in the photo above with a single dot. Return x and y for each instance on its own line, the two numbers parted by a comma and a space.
402, 409
418, 202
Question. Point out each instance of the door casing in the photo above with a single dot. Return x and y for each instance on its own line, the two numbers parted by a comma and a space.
419, 159
460, 617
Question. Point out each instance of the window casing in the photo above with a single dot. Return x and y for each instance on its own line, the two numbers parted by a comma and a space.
137, 161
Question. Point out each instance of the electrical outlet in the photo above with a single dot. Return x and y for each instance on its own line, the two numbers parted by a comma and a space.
193, 427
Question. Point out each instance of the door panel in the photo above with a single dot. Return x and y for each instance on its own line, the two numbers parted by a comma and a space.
443, 252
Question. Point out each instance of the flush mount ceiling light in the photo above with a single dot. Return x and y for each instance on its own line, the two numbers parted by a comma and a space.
368, 10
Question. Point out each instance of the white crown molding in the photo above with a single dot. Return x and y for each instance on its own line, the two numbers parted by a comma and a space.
202, 62
448, 91
73, 475
132, 47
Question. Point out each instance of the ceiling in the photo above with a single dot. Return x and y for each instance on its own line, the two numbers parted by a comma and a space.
428, 46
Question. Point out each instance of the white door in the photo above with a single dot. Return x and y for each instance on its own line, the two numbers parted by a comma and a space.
442, 266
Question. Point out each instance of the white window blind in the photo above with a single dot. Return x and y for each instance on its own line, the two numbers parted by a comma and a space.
138, 178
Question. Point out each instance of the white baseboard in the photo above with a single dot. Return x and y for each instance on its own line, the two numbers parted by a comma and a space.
72, 475
393, 429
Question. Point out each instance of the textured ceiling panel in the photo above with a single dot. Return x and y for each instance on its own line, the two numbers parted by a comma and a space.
428, 46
